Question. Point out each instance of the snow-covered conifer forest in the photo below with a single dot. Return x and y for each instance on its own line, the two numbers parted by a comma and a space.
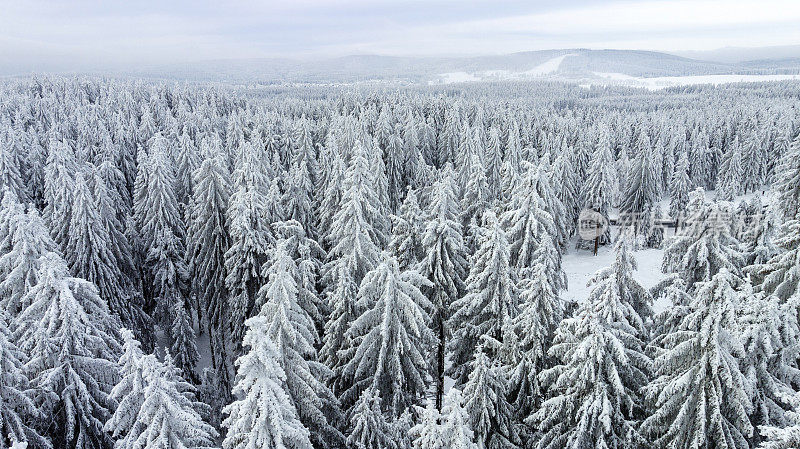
373, 266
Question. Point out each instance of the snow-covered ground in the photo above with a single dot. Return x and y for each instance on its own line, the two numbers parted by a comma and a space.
455, 77
581, 265
663, 82
548, 67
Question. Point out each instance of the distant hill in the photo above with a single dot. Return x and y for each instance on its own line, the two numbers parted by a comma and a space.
569, 64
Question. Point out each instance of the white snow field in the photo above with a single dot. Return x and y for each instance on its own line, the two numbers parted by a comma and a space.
546, 68
663, 82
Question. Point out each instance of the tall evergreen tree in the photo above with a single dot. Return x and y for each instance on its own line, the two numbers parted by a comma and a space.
251, 236
406, 242
444, 265
208, 241
594, 388
355, 237
491, 301
699, 395
780, 276
390, 338
788, 180
679, 190
20, 262
370, 429
18, 411
526, 222
641, 188
70, 336
89, 255
598, 190
704, 247
488, 412
167, 416
263, 415
768, 375
293, 332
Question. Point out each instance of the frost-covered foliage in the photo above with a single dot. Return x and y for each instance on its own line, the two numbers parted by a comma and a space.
705, 246
390, 339
263, 415
699, 395
71, 340
491, 302
352, 245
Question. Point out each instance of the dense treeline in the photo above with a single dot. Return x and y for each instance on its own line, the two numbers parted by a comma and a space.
374, 268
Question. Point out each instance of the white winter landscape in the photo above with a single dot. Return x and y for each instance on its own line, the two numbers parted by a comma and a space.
400, 224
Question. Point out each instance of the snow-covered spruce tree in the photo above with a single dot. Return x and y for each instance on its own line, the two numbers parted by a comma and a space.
491, 300
753, 162
306, 151
642, 183
671, 291
297, 198
787, 181
444, 265
160, 225
10, 213
354, 235
455, 430
18, 412
128, 393
600, 186
390, 338
780, 276
526, 222
759, 237
89, 255
132, 313
332, 191
58, 190
565, 184
407, 237
208, 241
377, 169
395, 168
167, 416
70, 336
544, 187
784, 437
494, 163
477, 196
426, 433
293, 332
699, 395
188, 160
10, 175
679, 190
369, 427
704, 247
19, 266
183, 343
729, 180
594, 387
616, 281
766, 371
264, 415
541, 310
342, 297
251, 238
488, 412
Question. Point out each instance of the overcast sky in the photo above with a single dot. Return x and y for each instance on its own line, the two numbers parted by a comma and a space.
100, 32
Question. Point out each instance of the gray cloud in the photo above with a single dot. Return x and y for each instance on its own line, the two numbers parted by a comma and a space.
94, 33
